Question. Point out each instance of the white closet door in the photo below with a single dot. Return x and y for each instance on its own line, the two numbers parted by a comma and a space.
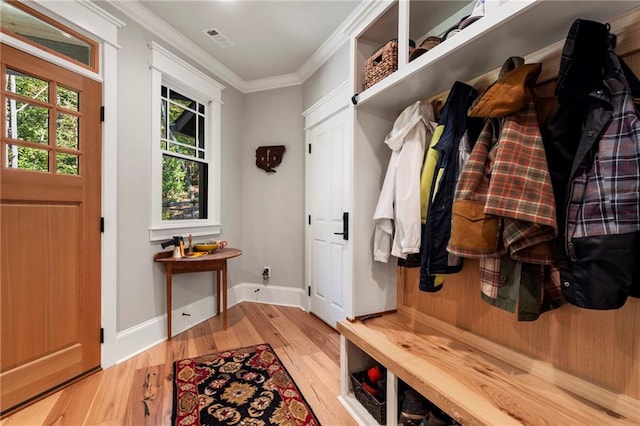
328, 260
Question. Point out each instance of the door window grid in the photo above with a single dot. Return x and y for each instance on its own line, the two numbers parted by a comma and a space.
33, 141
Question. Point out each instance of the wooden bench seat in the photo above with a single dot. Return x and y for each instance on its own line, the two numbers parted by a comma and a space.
475, 387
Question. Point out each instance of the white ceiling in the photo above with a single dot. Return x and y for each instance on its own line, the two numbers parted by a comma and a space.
270, 38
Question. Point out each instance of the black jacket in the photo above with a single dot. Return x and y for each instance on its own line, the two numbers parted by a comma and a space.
435, 233
598, 270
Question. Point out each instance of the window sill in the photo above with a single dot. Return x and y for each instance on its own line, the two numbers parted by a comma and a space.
166, 231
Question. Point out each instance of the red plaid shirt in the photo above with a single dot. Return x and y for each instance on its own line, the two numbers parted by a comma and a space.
510, 175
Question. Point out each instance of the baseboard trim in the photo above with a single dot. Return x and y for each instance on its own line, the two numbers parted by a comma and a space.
139, 338
270, 294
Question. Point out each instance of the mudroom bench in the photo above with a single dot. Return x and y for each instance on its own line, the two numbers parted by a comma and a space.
476, 362
472, 379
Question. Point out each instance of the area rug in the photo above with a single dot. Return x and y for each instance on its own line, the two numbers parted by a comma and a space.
239, 387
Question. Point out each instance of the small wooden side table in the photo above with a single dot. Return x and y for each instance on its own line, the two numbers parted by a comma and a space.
216, 261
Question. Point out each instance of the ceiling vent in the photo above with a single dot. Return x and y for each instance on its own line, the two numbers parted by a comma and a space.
216, 36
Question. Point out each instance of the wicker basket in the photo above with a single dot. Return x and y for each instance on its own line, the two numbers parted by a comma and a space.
378, 409
383, 62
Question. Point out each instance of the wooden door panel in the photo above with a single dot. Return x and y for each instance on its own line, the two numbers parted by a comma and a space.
34, 237
34, 187
50, 233
47, 372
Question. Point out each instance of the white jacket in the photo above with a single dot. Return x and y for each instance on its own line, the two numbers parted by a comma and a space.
399, 202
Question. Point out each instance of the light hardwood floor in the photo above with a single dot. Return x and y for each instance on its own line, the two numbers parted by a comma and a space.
139, 390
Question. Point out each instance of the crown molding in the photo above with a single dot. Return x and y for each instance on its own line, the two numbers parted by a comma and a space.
367, 13
172, 37
100, 12
268, 83
333, 43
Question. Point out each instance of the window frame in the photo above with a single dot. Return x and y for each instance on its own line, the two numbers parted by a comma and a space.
95, 53
171, 71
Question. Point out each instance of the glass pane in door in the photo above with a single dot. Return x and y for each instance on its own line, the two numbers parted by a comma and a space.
26, 85
68, 98
27, 158
67, 132
67, 164
27, 122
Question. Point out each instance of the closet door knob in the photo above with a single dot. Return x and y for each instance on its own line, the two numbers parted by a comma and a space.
345, 227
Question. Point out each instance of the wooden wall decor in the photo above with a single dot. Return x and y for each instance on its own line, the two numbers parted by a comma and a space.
269, 157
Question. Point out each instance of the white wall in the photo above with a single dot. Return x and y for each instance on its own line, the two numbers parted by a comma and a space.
139, 299
273, 203
330, 75
141, 283
261, 213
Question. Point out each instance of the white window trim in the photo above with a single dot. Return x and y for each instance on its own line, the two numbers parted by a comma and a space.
168, 69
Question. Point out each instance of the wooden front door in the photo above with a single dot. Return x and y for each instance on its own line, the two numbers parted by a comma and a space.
49, 227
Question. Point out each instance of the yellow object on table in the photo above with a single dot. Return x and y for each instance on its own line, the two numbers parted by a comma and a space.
197, 254
208, 247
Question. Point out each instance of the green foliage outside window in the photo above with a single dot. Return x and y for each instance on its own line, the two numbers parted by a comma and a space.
181, 177
30, 122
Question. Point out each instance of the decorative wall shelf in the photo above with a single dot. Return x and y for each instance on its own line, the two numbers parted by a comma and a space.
513, 28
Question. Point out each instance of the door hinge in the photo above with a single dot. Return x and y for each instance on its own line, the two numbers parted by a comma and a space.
102, 225
309, 219
101, 335
309, 148
102, 114
309, 290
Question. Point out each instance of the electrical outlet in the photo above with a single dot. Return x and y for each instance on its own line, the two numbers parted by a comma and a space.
266, 272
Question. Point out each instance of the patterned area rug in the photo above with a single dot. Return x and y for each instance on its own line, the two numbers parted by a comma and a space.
246, 386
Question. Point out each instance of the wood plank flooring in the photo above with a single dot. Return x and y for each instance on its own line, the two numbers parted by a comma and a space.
139, 390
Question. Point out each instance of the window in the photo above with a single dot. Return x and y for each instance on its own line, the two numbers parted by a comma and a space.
186, 149
39, 30
35, 141
184, 165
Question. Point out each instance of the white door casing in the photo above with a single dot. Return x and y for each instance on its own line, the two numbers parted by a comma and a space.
328, 172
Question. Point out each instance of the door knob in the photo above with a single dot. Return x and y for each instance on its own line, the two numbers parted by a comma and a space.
345, 227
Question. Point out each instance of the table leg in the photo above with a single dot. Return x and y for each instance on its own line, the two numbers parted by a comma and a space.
218, 285
224, 297
168, 275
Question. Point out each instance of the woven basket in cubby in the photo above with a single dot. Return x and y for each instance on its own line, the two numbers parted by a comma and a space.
383, 62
